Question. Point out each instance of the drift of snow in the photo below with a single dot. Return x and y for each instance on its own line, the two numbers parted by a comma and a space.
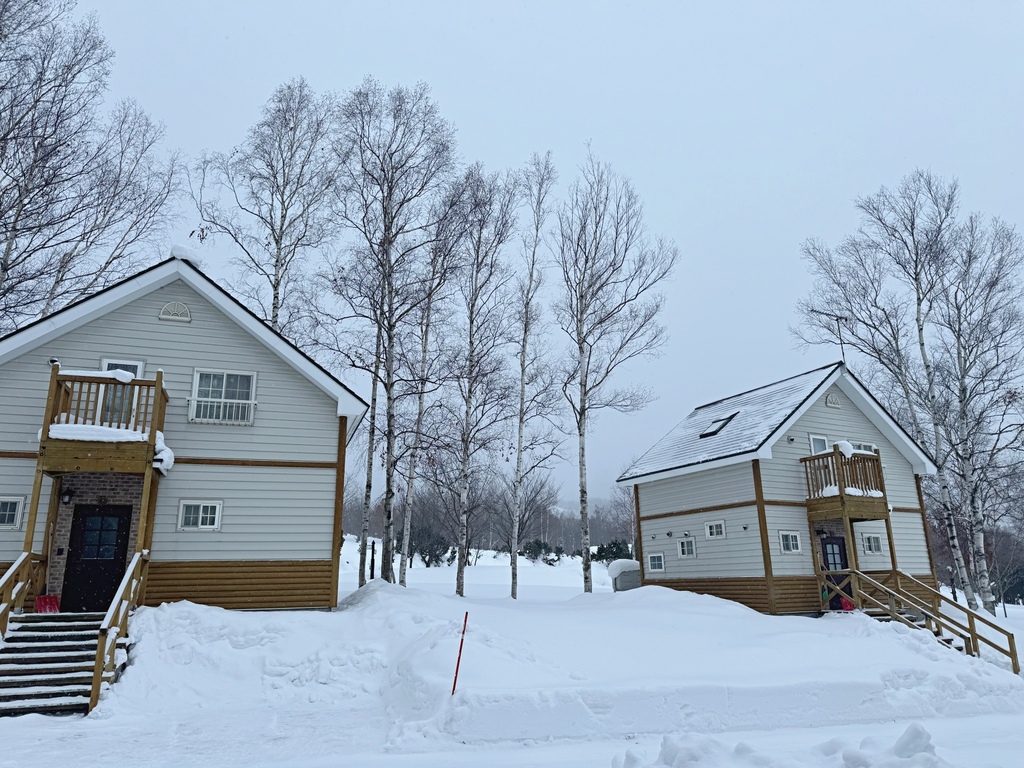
96, 433
617, 567
163, 457
556, 679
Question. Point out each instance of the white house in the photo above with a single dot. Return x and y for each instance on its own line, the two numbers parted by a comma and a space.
757, 496
160, 416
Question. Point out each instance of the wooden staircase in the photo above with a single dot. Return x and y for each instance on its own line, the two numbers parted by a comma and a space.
47, 662
900, 597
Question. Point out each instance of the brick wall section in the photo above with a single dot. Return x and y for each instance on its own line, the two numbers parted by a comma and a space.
91, 488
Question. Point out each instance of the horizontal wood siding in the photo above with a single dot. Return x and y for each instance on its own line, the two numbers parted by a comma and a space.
783, 475
726, 485
789, 519
911, 544
268, 513
242, 584
738, 554
294, 420
751, 592
16, 477
873, 561
797, 594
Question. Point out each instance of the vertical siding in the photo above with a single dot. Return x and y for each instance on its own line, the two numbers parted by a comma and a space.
738, 554
726, 485
783, 474
911, 543
789, 563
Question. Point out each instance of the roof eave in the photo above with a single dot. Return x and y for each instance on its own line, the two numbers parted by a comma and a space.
689, 469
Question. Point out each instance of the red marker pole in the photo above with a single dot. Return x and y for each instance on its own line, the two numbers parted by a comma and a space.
455, 682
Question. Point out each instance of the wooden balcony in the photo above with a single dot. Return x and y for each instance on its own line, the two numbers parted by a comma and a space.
841, 486
99, 423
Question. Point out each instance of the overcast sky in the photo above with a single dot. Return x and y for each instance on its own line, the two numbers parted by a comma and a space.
747, 127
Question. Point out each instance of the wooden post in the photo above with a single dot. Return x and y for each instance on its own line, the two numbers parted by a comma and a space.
639, 554
339, 507
373, 559
762, 525
837, 459
892, 550
851, 556
37, 483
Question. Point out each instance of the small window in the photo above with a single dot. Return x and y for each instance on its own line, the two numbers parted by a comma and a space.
10, 512
819, 444
656, 562
686, 548
223, 397
789, 541
872, 544
199, 515
718, 425
869, 447
176, 311
715, 530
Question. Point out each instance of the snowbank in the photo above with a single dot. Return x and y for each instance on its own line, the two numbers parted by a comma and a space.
617, 567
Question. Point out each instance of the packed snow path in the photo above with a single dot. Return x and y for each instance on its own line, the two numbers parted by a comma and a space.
641, 679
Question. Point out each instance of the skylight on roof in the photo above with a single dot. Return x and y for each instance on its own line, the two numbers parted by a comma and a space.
718, 425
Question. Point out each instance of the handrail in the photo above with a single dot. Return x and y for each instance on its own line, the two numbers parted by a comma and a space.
115, 622
929, 609
102, 400
859, 473
16, 584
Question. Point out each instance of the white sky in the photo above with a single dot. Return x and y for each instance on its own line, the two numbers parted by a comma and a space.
746, 126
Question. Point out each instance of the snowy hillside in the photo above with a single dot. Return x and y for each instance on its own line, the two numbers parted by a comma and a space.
645, 678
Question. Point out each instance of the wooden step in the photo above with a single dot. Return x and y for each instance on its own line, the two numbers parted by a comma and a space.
32, 636
38, 618
18, 648
53, 679
52, 668
47, 657
67, 705
34, 693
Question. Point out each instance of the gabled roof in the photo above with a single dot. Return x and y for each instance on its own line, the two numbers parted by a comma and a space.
746, 426
41, 331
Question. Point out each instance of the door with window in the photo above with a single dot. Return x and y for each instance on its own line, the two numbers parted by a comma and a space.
97, 556
833, 554
119, 404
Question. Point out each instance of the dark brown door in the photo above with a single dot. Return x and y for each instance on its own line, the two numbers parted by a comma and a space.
97, 555
833, 551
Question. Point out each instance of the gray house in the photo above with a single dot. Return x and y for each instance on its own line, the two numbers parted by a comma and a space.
757, 497
161, 417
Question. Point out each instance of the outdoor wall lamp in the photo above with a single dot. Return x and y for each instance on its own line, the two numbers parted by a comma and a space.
669, 534
66, 495
686, 533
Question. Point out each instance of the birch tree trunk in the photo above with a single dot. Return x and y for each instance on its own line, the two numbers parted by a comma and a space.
371, 445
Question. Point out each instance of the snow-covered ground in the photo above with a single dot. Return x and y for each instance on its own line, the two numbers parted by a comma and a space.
644, 679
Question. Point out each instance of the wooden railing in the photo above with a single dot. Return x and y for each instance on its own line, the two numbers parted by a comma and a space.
901, 597
834, 474
17, 582
115, 623
137, 405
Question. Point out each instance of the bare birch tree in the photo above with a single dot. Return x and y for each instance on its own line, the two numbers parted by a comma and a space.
536, 407
397, 189
610, 269
920, 296
272, 197
480, 406
82, 197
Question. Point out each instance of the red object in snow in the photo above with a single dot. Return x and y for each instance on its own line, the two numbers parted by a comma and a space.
48, 604
846, 604
455, 682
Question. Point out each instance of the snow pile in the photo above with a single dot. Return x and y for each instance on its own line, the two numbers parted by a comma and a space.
833, 490
96, 433
125, 377
622, 566
163, 457
913, 749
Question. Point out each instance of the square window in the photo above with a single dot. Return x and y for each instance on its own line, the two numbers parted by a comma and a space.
789, 541
10, 512
199, 515
715, 530
223, 397
872, 544
656, 562
819, 444
686, 548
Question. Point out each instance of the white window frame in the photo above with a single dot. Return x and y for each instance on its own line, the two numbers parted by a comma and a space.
682, 545
650, 562
19, 512
869, 548
782, 543
140, 364
858, 446
218, 504
709, 532
194, 400
812, 438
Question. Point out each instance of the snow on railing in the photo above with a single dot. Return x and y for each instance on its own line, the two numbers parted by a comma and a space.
857, 473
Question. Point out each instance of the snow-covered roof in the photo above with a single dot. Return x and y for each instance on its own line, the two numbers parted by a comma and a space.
745, 426
148, 280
